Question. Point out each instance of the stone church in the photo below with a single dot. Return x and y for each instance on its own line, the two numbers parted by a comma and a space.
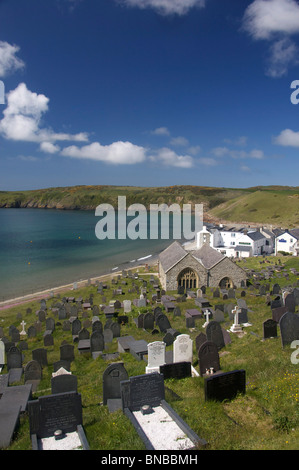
194, 269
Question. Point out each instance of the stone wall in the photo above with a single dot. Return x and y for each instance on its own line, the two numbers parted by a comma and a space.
226, 268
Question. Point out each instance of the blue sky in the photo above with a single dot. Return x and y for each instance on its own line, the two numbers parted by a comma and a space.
149, 93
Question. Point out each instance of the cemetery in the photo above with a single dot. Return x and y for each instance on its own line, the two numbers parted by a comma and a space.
122, 364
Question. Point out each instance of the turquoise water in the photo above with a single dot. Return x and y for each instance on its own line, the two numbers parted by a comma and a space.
43, 248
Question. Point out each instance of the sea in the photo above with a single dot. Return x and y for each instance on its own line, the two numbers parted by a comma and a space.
43, 249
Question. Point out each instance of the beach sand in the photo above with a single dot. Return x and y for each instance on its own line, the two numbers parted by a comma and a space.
150, 260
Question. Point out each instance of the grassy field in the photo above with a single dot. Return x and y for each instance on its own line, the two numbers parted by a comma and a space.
265, 418
276, 207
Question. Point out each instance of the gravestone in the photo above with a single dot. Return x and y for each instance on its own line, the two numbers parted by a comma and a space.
156, 356
33, 374
182, 349
115, 328
177, 312
278, 312
31, 332
2, 355
199, 340
124, 343
289, 328
148, 321
76, 326
176, 370
214, 334
127, 306
67, 352
208, 358
63, 383
14, 358
225, 386
270, 328
97, 343
163, 323
108, 335
40, 355
138, 349
158, 425
112, 378
48, 339
290, 303
47, 414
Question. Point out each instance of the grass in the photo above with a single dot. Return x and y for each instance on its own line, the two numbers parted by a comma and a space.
265, 418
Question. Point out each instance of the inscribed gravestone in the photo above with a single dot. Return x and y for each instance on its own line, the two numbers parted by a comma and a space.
290, 303
182, 349
97, 343
33, 374
148, 321
156, 356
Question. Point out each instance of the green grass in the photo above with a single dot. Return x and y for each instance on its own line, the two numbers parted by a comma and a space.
276, 207
265, 418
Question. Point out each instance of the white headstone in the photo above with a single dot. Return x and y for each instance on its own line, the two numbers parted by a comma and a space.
183, 349
127, 306
23, 332
156, 356
207, 314
2, 355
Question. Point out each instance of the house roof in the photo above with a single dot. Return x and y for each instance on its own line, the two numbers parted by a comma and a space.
172, 255
295, 233
255, 235
208, 256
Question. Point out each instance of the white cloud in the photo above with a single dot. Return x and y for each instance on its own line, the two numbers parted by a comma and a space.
168, 157
117, 153
22, 118
265, 18
287, 138
275, 20
161, 131
283, 54
8, 60
237, 154
194, 150
206, 161
48, 147
166, 7
245, 169
179, 141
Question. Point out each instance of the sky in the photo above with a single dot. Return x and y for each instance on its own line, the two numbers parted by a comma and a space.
149, 93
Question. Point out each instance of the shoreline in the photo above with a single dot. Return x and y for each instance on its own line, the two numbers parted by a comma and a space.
149, 260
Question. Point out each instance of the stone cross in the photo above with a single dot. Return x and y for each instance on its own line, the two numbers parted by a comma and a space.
23, 332
236, 328
207, 314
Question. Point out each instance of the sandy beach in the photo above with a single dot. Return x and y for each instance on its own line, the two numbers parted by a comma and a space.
149, 260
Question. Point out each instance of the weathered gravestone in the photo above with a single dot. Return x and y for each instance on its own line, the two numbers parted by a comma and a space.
289, 328
290, 303
163, 323
225, 386
112, 377
14, 358
183, 349
156, 356
97, 343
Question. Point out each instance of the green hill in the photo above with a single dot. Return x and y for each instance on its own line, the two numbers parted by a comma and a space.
274, 205
277, 207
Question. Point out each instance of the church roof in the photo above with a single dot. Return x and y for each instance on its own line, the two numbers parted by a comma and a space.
208, 256
172, 255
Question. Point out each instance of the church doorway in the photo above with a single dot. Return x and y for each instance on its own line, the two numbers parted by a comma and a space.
226, 283
188, 279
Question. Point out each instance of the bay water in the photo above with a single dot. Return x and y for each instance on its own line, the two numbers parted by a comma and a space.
45, 248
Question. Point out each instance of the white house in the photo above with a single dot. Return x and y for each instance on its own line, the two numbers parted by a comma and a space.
288, 241
256, 241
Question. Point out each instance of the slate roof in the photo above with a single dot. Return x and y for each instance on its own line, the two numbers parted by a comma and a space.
172, 255
208, 256
255, 236
295, 233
